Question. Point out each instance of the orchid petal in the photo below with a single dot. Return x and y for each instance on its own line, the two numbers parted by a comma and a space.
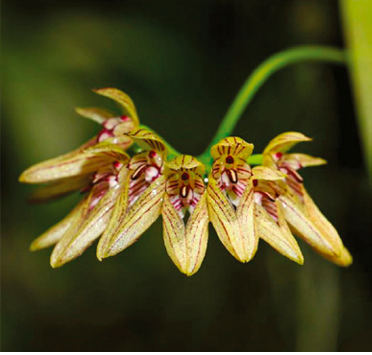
278, 236
186, 246
117, 217
224, 220
186, 162
265, 173
110, 150
174, 233
55, 233
299, 160
87, 227
197, 235
344, 260
284, 142
93, 113
320, 221
245, 215
233, 146
139, 218
304, 227
147, 139
122, 99
63, 167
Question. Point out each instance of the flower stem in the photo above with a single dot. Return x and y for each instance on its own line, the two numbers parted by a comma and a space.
255, 159
259, 77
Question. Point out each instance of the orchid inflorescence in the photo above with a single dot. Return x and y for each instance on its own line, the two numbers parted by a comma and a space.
124, 194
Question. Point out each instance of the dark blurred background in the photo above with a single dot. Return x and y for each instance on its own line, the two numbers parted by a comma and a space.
182, 62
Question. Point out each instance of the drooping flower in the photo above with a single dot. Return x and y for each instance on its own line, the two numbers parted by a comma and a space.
185, 213
301, 213
71, 171
141, 196
175, 190
97, 168
235, 196
87, 221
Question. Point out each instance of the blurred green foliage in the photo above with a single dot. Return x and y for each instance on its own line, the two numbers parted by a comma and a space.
182, 63
357, 16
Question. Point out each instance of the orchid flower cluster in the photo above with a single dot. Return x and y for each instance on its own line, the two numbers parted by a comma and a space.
128, 176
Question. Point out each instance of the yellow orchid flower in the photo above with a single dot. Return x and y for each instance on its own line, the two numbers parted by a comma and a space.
124, 195
175, 190
69, 172
185, 213
96, 168
235, 203
140, 198
303, 216
87, 221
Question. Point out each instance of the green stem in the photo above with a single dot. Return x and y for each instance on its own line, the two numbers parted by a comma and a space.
255, 159
259, 77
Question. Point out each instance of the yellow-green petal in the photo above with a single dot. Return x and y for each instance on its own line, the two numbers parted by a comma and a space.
320, 221
109, 150
122, 99
277, 235
117, 217
186, 245
197, 235
93, 113
245, 215
186, 162
224, 220
304, 160
233, 146
147, 139
139, 218
304, 227
87, 227
285, 141
265, 173
344, 259
63, 167
174, 234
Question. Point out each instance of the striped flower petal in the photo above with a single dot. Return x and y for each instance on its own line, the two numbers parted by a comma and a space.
278, 234
304, 227
85, 229
245, 215
139, 218
265, 173
186, 244
284, 142
224, 220
147, 139
117, 217
298, 160
59, 168
233, 146
88, 161
324, 226
122, 99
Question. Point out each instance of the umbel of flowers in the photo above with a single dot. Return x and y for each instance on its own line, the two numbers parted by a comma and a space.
124, 194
